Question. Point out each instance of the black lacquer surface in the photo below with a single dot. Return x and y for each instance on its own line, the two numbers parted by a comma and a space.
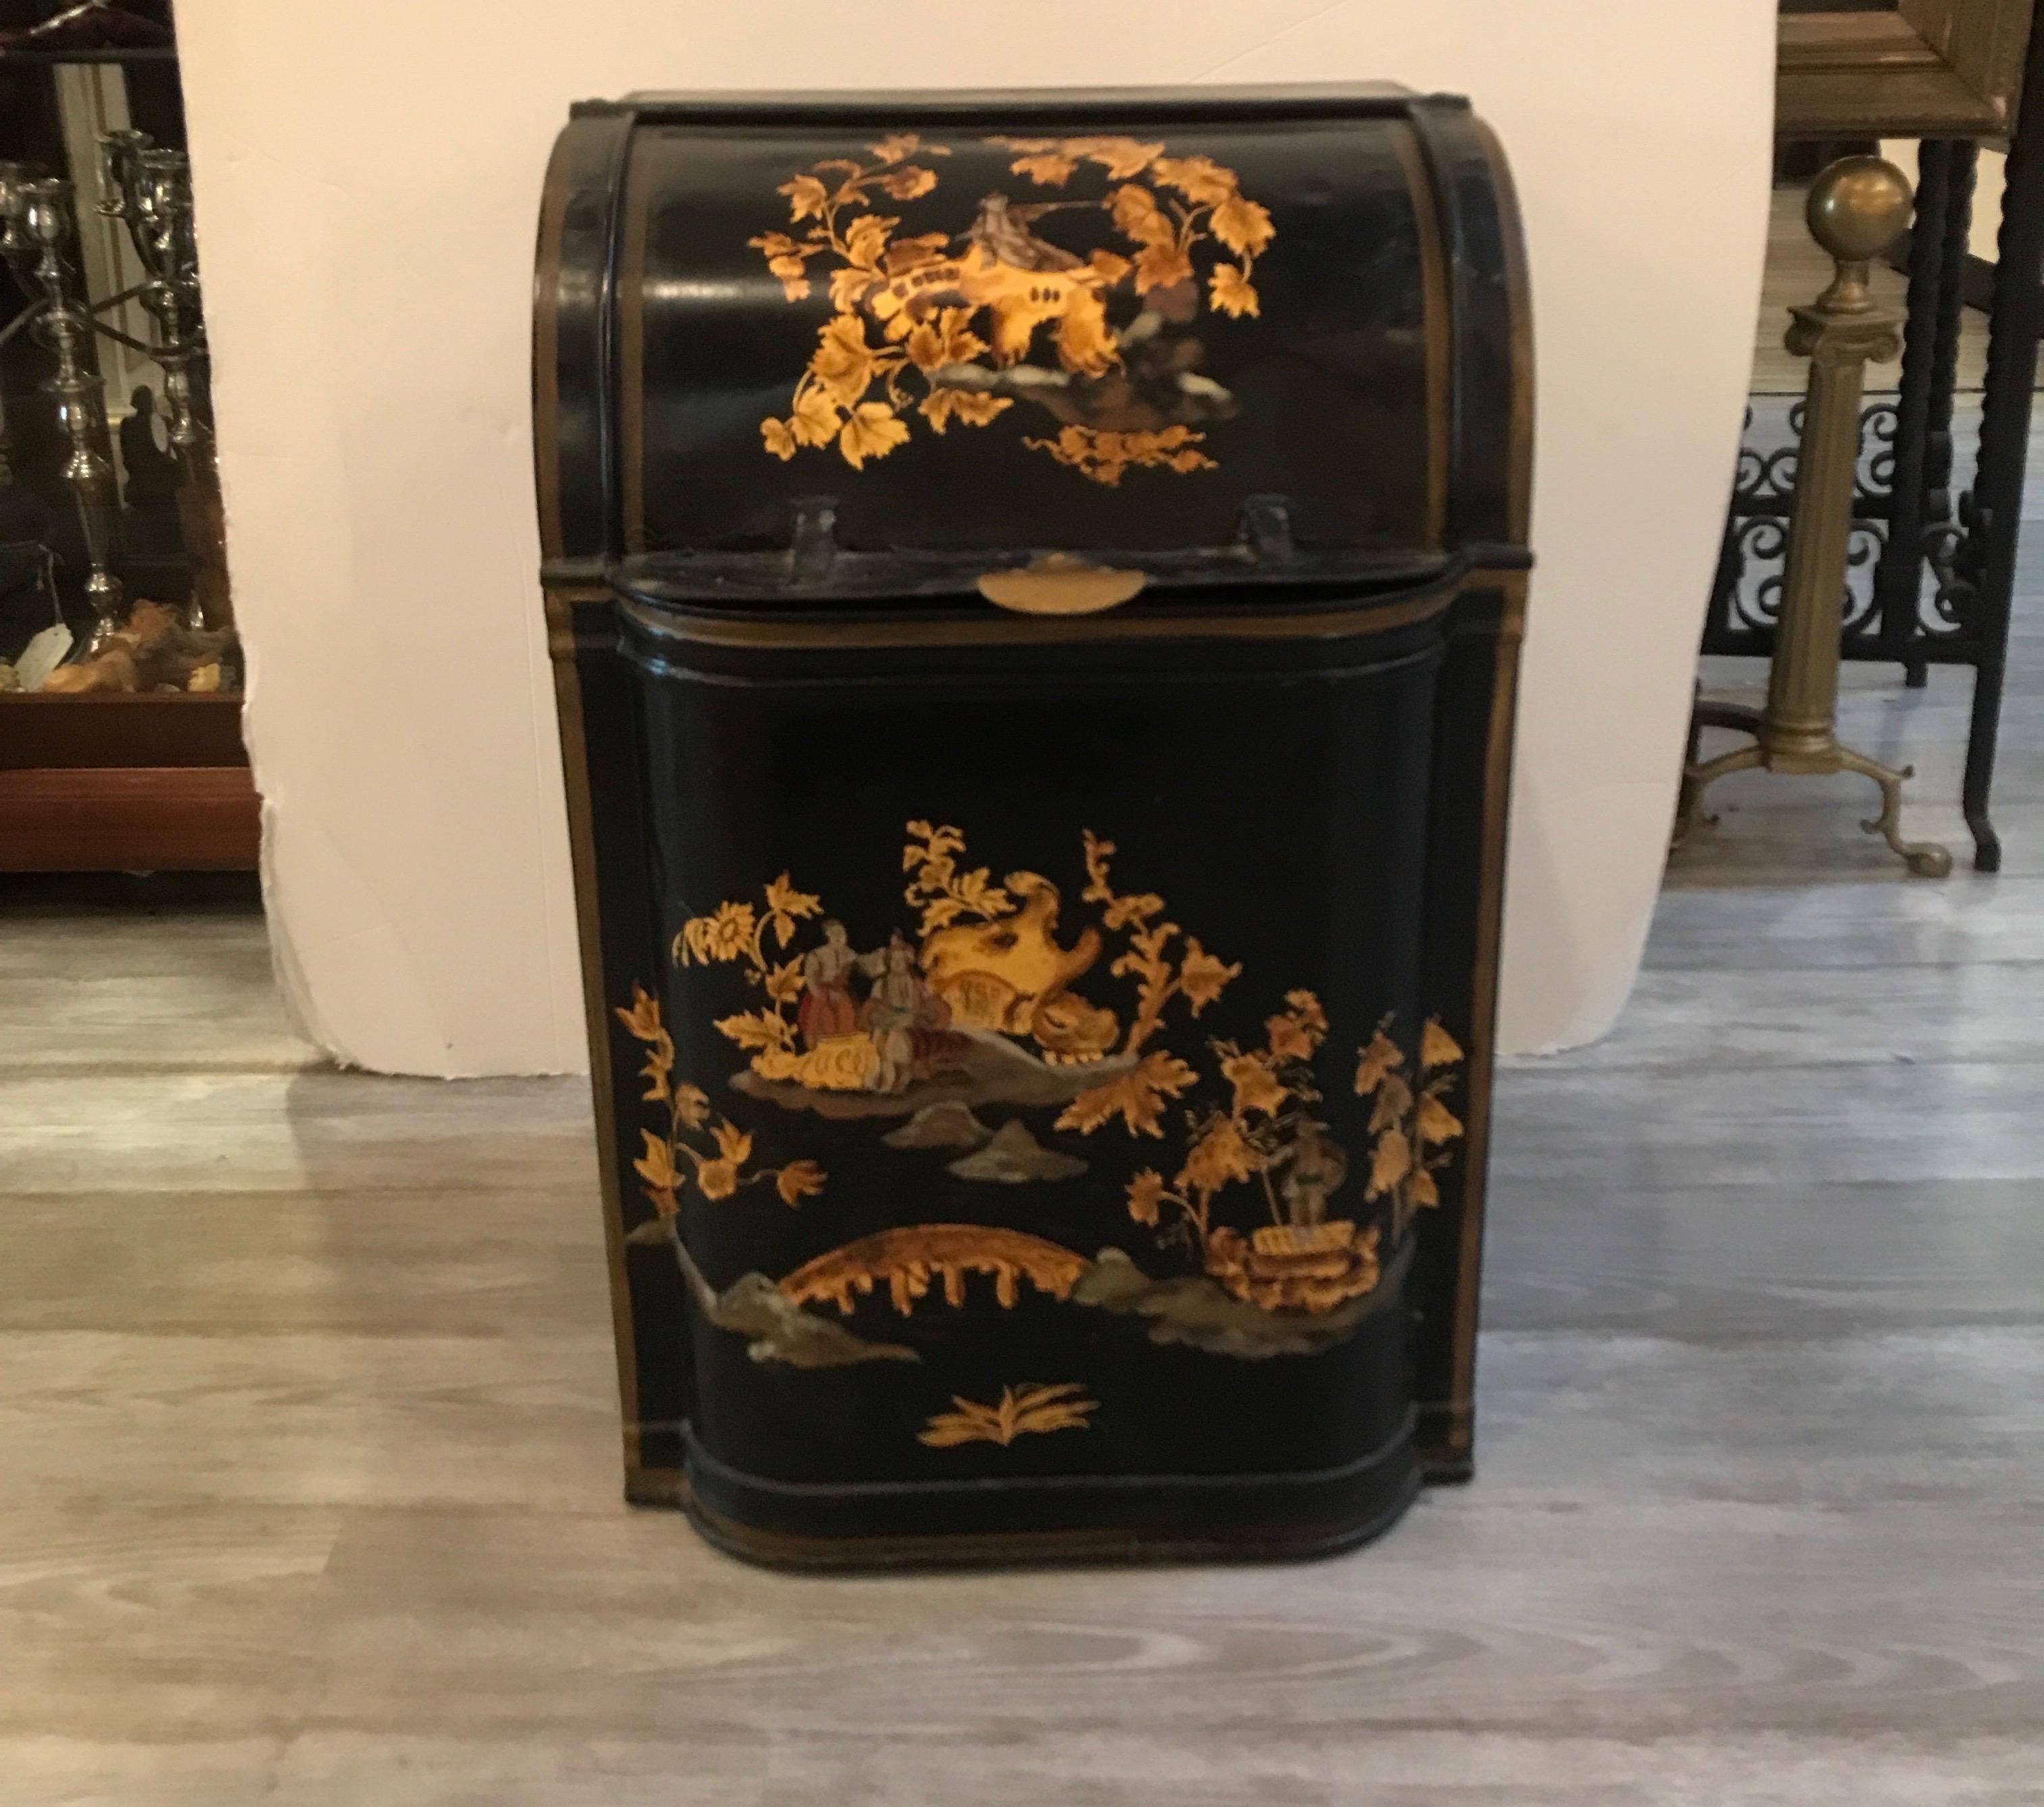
1329, 380
1296, 740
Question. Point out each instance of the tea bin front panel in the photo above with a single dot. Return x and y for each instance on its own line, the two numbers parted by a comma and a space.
1038, 843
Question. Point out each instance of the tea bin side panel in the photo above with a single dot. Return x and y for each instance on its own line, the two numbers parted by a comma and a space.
1019, 1006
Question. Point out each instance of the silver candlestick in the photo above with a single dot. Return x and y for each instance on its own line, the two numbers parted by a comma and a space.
19, 254
47, 224
149, 190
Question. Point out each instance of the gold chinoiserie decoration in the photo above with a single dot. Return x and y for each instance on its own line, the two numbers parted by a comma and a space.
1058, 584
1857, 208
1030, 1410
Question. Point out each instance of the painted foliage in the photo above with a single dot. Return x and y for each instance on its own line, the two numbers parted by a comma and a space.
1031, 1411
1266, 1235
957, 326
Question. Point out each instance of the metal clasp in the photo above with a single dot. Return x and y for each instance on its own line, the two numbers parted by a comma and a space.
1058, 584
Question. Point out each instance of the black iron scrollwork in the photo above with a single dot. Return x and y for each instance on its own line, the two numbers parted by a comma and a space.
1747, 599
1953, 548
1746, 596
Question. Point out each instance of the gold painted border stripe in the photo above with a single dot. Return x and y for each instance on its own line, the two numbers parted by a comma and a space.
560, 606
1434, 309
635, 204
992, 630
1483, 1012
1518, 288
547, 350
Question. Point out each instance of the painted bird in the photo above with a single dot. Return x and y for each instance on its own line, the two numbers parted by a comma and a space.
1002, 229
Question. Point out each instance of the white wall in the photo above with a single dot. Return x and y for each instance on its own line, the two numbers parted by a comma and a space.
368, 176
1983, 229
1984, 235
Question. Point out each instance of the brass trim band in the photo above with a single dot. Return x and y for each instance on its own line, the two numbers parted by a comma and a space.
1434, 312
844, 632
582, 849
1483, 1014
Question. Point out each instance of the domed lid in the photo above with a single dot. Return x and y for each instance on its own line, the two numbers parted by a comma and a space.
870, 346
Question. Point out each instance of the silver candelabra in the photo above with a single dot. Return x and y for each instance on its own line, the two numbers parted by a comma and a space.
39, 223
149, 189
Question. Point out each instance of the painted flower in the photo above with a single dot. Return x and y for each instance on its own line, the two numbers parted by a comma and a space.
1306, 1007
1231, 292
843, 362
873, 432
946, 339
1164, 265
1137, 1097
1437, 1047
1137, 215
1243, 226
660, 1063
1437, 1123
722, 937
944, 403
1201, 180
1120, 157
1048, 168
1219, 1157
865, 238
1145, 1192
908, 184
1390, 1162
785, 905
799, 1180
1289, 1039
642, 1016
1256, 1086
1382, 1057
815, 419
806, 198
656, 1165
1201, 977
785, 259
1394, 1100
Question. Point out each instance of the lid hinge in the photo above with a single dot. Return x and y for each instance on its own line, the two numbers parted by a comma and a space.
812, 552
1265, 532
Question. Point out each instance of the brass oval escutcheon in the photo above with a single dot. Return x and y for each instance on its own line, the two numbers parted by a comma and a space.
1058, 584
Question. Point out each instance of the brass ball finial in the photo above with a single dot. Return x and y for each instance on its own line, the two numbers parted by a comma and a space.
1858, 207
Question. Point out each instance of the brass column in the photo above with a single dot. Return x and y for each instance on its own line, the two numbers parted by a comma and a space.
1857, 208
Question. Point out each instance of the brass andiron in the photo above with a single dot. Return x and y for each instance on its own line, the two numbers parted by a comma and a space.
1857, 208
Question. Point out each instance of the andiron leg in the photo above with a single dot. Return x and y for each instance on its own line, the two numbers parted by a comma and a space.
1857, 208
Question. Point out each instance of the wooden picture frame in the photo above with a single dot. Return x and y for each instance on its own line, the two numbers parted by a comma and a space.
1911, 69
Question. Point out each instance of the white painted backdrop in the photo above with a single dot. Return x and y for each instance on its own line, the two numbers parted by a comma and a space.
368, 176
